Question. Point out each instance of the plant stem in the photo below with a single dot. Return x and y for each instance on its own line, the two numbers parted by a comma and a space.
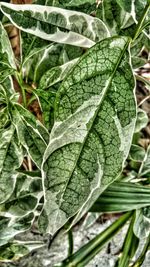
20, 81
88, 251
141, 21
70, 241
129, 247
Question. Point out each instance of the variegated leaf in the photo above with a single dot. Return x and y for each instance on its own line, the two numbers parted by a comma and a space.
56, 74
11, 158
82, 157
133, 7
36, 65
10, 227
7, 62
31, 134
20, 210
17, 249
116, 18
56, 24
142, 223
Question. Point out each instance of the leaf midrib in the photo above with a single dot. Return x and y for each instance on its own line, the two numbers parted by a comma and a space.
94, 117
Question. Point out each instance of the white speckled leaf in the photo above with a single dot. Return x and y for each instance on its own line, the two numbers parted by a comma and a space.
95, 116
56, 24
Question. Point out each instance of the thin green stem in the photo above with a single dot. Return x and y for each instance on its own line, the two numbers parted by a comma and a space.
20, 81
139, 27
70, 241
129, 246
31, 100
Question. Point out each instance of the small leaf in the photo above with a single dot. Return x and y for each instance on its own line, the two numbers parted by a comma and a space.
142, 223
17, 249
137, 153
141, 121
56, 24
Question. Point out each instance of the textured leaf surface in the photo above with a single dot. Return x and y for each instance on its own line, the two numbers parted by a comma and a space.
31, 45
19, 211
90, 140
7, 63
115, 17
13, 226
29, 134
56, 74
53, 55
133, 7
55, 24
10, 159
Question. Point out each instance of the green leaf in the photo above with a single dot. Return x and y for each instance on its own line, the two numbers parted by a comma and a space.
56, 74
11, 158
138, 62
28, 130
142, 120
20, 206
86, 6
13, 226
145, 168
142, 223
18, 213
55, 24
137, 153
7, 62
122, 196
90, 140
52, 56
33, 66
129, 247
31, 45
133, 7
114, 16
17, 249
46, 100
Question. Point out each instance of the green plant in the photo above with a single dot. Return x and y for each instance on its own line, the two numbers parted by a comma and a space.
66, 160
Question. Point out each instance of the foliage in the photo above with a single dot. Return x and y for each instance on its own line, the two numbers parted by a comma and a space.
70, 128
